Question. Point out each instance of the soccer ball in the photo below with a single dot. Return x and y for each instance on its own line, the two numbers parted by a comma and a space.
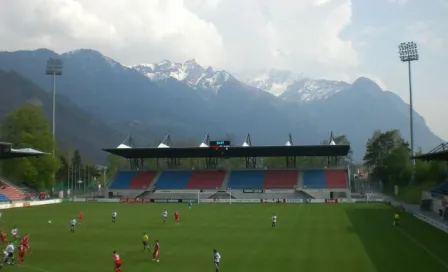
49, 221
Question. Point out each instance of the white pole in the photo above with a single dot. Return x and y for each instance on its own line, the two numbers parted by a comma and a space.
54, 121
198, 196
230, 196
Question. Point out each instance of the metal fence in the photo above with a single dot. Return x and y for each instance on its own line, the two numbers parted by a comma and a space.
365, 186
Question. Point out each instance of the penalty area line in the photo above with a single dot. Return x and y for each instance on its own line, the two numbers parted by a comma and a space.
434, 256
32, 268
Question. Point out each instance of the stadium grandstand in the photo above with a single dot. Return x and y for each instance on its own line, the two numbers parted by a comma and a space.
216, 179
436, 199
8, 191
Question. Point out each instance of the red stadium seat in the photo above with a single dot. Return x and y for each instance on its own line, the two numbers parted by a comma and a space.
11, 192
280, 179
206, 180
142, 180
336, 178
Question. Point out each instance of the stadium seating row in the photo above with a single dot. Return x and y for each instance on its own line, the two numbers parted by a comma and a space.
241, 179
8, 192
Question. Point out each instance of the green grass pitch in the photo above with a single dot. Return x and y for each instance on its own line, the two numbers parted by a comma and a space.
314, 237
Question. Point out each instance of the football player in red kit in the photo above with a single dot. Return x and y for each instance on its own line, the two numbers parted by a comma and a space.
155, 255
117, 261
3, 238
80, 216
176, 216
21, 250
25, 242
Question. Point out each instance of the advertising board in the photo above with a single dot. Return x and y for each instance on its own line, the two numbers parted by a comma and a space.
246, 200
135, 200
21, 204
253, 191
278, 191
315, 201
294, 201
331, 200
271, 200
166, 200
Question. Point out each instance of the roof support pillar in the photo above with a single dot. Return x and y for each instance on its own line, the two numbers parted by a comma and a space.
136, 163
332, 162
173, 163
211, 162
251, 162
291, 162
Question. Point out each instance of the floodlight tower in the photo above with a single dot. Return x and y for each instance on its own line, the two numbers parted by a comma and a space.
54, 68
409, 53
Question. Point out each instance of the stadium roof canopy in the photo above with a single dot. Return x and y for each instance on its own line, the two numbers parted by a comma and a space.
164, 150
440, 153
7, 152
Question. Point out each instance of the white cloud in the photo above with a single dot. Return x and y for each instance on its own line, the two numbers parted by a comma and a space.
127, 30
399, 2
369, 30
424, 33
231, 34
443, 3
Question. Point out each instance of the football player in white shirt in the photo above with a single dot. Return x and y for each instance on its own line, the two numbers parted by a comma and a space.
216, 259
15, 233
114, 217
72, 225
8, 255
274, 220
164, 215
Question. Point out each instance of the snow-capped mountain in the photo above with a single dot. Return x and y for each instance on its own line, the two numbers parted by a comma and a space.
189, 72
293, 87
307, 90
273, 81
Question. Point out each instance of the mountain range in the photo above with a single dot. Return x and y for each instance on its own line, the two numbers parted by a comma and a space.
75, 127
187, 100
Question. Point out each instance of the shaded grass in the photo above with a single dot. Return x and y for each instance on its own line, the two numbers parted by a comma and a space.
398, 248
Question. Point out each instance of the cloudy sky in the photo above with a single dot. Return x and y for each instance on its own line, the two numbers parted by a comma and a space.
334, 39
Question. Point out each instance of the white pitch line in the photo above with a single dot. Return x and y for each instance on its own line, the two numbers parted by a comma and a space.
424, 248
33, 268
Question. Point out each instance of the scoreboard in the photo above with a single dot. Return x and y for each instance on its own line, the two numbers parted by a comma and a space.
220, 145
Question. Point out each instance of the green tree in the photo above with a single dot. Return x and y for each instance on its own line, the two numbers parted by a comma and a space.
429, 170
63, 172
76, 160
27, 126
387, 157
114, 163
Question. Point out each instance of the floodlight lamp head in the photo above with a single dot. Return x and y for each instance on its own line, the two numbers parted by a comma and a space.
54, 67
408, 51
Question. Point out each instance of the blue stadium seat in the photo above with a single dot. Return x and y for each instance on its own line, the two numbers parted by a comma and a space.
3, 198
314, 179
246, 179
122, 180
173, 180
